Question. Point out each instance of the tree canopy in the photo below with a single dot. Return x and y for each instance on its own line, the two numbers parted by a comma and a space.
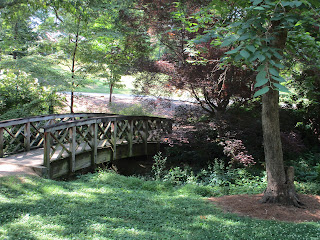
222, 52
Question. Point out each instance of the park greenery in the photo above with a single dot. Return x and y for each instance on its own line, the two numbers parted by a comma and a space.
252, 66
106, 205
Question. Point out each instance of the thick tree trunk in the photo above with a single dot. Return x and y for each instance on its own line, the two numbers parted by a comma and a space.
280, 188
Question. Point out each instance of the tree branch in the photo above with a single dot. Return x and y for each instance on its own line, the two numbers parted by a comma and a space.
57, 15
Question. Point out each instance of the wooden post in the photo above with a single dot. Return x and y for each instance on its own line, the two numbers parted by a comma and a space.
1, 141
145, 136
72, 161
130, 137
94, 144
46, 153
114, 140
27, 136
158, 131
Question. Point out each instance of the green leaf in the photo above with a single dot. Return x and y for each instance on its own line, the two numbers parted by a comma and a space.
261, 75
259, 8
245, 54
233, 50
281, 88
261, 57
279, 79
251, 48
261, 82
238, 57
279, 65
244, 37
261, 67
256, 2
277, 55
228, 41
261, 91
274, 72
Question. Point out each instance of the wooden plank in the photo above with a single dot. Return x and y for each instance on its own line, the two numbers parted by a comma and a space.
114, 142
46, 154
158, 134
72, 158
145, 136
94, 154
27, 135
130, 137
1, 141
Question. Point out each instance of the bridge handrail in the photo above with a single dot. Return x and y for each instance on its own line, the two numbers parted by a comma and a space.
18, 121
67, 139
76, 123
19, 132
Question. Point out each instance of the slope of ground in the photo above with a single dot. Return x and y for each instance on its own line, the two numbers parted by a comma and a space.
244, 205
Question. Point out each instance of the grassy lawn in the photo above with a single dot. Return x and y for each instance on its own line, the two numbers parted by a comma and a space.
109, 206
98, 86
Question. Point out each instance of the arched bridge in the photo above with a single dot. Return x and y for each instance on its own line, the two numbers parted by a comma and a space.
56, 145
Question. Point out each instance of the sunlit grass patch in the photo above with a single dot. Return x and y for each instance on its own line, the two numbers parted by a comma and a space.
106, 205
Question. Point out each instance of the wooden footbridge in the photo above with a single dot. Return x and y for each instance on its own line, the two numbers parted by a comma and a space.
57, 145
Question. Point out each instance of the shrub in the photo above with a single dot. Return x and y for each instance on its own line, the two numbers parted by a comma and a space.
158, 167
22, 96
237, 152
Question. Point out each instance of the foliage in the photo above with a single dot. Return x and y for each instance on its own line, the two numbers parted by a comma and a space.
158, 166
236, 150
109, 206
42, 68
152, 84
22, 96
307, 167
197, 68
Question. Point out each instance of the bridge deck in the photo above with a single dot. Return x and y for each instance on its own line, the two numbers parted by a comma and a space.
31, 158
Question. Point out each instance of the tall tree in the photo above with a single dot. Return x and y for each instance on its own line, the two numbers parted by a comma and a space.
257, 34
16, 27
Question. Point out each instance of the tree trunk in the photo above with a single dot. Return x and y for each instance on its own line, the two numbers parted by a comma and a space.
280, 188
74, 63
110, 93
71, 103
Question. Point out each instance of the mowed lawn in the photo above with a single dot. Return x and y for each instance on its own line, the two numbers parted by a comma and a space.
105, 205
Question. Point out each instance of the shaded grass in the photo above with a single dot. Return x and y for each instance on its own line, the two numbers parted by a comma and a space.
109, 206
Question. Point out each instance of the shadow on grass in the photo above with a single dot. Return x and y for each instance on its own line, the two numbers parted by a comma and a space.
110, 206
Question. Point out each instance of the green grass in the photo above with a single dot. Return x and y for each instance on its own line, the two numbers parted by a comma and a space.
98, 86
109, 206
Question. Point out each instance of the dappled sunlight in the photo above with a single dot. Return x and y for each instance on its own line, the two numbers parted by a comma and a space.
106, 205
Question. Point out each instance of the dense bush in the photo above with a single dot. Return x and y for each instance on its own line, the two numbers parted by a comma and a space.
21, 96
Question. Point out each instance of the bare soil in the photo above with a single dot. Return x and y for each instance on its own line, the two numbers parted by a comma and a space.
249, 205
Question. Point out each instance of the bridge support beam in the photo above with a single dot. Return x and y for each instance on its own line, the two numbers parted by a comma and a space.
46, 154
94, 142
72, 136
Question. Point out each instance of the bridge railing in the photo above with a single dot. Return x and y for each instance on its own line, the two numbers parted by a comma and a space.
19, 135
67, 139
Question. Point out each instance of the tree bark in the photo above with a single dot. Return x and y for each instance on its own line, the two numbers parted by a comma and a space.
110, 93
74, 63
280, 188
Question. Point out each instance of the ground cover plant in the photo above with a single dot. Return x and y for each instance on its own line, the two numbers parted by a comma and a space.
106, 205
